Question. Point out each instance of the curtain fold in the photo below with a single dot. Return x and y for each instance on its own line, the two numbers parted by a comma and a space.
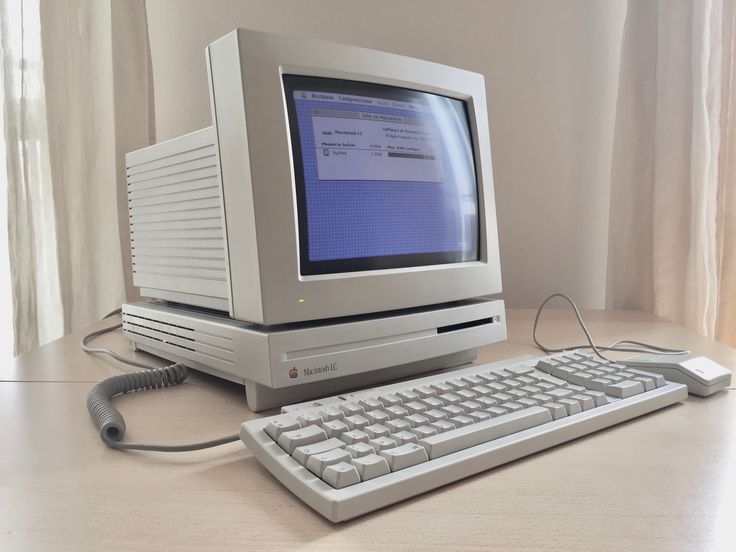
78, 77
670, 245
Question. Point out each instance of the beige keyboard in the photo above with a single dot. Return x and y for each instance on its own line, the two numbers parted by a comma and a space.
350, 454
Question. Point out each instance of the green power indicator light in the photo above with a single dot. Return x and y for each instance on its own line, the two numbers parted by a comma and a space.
302, 300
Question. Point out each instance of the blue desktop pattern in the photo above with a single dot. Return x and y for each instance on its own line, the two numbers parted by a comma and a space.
354, 219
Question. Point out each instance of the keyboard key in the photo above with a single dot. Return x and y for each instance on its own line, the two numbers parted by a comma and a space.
416, 420
335, 428
302, 454
318, 462
496, 411
597, 384
512, 384
470, 406
579, 378
435, 415
290, 440
432, 402
279, 425
449, 398
563, 372
598, 397
350, 408
648, 383
516, 393
452, 410
403, 437
457, 384
496, 387
341, 475
394, 426
486, 402
354, 436
390, 400
586, 403
425, 391
482, 432
488, 378
624, 389
571, 405
527, 402
309, 418
465, 394
658, 379
481, 390
358, 450
461, 421
370, 466
370, 404
415, 407
478, 415
520, 369
472, 380
559, 393
396, 412
442, 425
356, 422
405, 456
330, 413
377, 416
382, 443
556, 410
441, 387
511, 406
547, 365
502, 397
408, 396
424, 431
541, 398
376, 430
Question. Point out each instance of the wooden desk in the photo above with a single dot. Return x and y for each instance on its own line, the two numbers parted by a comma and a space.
666, 481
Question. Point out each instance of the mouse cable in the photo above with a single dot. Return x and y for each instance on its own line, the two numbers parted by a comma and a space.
109, 420
638, 346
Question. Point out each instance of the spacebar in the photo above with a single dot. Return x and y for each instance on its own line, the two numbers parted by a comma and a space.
482, 432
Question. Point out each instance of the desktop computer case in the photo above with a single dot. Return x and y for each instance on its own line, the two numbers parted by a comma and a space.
285, 364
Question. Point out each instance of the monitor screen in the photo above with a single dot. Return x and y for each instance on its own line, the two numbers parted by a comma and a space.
385, 176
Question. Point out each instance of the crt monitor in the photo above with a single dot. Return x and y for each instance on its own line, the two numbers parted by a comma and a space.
353, 181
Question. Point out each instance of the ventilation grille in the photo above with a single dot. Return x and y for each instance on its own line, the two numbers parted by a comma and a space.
210, 349
176, 223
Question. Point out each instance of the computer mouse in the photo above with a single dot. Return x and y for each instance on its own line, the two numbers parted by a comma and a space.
701, 375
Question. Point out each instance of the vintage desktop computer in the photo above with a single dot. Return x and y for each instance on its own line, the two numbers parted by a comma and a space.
334, 228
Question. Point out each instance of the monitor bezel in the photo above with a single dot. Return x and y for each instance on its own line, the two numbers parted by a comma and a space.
258, 181
308, 267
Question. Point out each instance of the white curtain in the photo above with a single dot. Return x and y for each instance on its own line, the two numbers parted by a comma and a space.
672, 240
71, 113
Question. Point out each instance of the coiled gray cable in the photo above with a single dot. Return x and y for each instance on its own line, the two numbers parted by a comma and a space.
107, 418
111, 423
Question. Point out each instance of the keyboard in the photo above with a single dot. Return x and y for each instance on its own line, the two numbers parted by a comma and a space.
351, 454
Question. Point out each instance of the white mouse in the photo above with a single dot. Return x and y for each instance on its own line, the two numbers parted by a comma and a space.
702, 376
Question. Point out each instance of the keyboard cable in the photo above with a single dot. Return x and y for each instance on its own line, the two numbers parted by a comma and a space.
109, 420
638, 346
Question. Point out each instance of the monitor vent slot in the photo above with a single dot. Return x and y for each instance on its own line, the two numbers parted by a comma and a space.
176, 225
215, 349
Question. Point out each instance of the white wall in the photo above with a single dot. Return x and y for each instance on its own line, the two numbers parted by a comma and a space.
551, 73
